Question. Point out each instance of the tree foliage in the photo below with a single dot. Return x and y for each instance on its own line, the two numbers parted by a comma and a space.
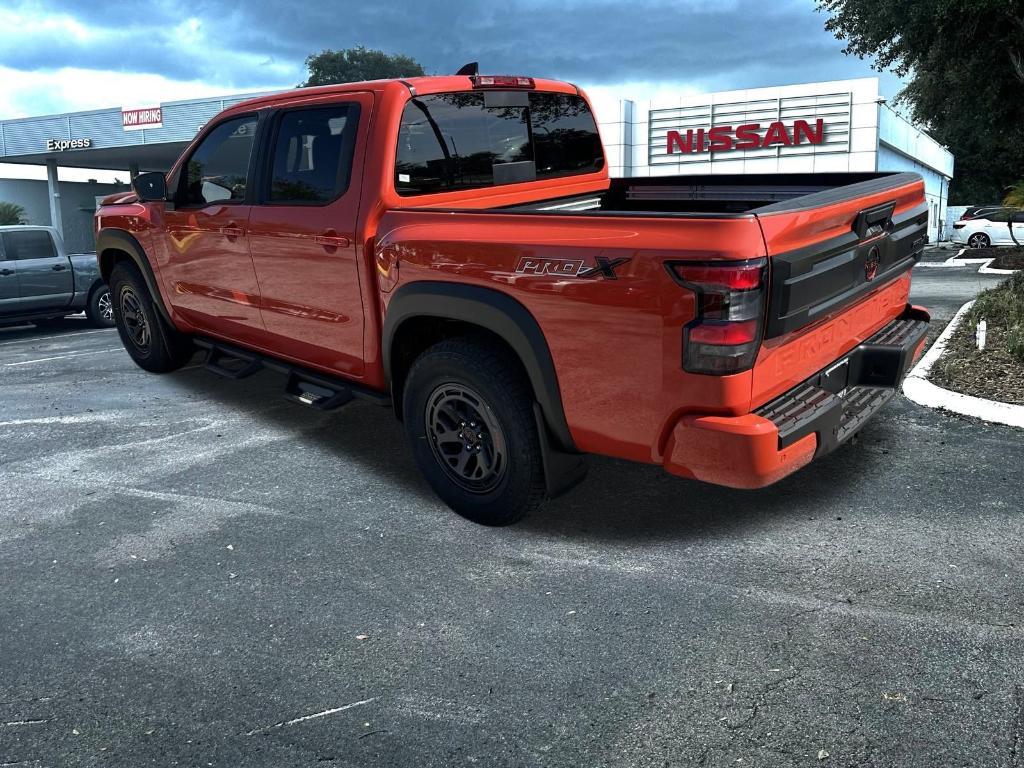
11, 213
1015, 195
351, 65
964, 61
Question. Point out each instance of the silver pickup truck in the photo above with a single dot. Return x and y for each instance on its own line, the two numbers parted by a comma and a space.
41, 283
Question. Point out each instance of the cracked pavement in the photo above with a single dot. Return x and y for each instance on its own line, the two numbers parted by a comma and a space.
195, 573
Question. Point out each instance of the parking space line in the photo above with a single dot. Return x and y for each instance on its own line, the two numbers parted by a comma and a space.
62, 357
58, 336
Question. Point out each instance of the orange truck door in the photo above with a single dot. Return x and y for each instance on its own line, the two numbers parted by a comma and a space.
302, 231
209, 273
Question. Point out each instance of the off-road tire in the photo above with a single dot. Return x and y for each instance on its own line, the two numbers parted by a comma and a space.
148, 339
99, 311
475, 369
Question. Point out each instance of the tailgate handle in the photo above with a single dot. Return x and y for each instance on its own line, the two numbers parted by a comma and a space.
872, 222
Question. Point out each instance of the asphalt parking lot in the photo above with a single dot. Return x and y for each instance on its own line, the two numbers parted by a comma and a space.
195, 572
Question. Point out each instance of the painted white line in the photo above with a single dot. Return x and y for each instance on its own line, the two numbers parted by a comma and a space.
314, 716
26, 722
63, 357
44, 339
984, 269
80, 418
917, 387
987, 270
956, 255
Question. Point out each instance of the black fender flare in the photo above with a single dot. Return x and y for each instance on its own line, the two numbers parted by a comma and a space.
498, 313
119, 240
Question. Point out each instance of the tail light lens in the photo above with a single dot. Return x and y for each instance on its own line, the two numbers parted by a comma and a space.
726, 334
958, 226
502, 81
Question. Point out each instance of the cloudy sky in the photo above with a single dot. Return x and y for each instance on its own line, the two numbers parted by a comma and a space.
67, 55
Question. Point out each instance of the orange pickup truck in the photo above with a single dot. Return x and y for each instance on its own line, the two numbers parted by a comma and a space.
454, 247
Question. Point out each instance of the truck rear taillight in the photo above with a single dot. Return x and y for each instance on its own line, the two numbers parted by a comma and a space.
725, 335
502, 81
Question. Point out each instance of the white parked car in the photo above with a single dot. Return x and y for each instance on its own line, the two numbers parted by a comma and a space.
991, 229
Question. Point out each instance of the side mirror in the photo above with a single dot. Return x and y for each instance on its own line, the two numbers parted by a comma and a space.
150, 187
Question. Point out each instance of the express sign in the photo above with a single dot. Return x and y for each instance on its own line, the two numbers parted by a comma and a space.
726, 138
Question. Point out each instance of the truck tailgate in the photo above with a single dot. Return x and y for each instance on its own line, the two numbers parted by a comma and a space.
840, 270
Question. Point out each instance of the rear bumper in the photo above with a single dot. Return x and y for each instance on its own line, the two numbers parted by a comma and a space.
813, 418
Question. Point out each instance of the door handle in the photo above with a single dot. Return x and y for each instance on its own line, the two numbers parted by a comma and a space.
5, 272
232, 231
59, 267
331, 239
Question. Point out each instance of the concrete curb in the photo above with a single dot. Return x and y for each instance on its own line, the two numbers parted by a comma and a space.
917, 387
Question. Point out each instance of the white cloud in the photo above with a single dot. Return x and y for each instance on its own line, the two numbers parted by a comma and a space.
70, 89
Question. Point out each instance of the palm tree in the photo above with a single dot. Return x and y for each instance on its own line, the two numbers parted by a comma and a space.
10, 213
1015, 195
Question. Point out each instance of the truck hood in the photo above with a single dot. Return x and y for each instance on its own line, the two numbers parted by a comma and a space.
118, 198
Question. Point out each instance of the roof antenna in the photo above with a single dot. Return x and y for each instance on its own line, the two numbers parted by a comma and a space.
470, 70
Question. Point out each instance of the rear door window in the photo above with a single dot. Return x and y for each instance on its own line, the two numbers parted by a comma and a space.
29, 244
474, 139
312, 159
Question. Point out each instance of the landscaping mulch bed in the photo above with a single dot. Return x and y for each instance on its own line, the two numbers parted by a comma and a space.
994, 374
1005, 258
1009, 258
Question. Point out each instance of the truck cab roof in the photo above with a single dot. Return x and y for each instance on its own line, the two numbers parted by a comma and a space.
415, 86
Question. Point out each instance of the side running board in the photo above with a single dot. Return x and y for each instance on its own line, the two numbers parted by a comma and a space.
302, 386
231, 365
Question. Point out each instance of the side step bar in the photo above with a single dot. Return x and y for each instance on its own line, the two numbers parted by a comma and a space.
303, 386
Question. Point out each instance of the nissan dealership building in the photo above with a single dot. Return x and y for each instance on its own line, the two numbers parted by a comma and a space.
826, 127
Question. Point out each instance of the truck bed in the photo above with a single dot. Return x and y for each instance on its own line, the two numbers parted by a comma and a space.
719, 194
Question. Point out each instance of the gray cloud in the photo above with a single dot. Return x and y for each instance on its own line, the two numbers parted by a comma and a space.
745, 44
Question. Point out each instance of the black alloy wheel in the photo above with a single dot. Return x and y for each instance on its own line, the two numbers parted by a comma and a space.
465, 437
135, 323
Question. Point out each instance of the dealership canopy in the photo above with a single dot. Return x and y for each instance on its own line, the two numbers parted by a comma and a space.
134, 138
147, 137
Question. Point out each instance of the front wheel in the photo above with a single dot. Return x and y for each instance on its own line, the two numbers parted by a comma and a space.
979, 240
100, 309
469, 419
150, 341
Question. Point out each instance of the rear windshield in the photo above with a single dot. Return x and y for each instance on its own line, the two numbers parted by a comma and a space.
467, 140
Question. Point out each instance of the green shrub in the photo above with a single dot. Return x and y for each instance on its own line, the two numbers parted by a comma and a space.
11, 213
1002, 305
1015, 342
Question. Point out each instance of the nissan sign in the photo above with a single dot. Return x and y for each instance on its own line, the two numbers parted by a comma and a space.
726, 138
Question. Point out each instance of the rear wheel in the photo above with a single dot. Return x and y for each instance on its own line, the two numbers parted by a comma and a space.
469, 419
979, 240
149, 340
100, 309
